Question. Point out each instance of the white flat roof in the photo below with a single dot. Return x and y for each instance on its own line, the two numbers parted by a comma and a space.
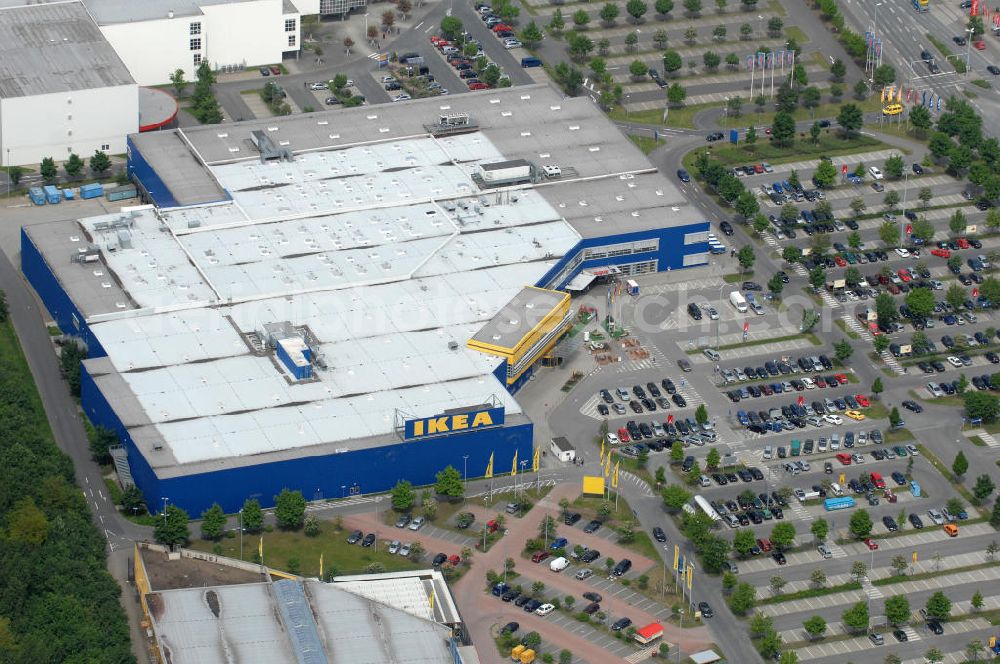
385, 252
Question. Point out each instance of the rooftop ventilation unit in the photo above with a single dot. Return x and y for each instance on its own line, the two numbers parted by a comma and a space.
452, 123
268, 150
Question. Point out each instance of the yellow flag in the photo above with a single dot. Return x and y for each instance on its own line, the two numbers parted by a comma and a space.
535, 459
513, 467
431, 600
914, 556
884, 90
607, 466
260, 548
489, 468
321, 566
602, 450
677, 554
899, 95
690, 576
614, 478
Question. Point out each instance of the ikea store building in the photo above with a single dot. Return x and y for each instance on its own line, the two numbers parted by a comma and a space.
335, 301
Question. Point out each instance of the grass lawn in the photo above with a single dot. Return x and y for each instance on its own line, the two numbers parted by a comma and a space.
280, 547
762, 118
681, 118
898, 436
828, 144
976, 440
645, 143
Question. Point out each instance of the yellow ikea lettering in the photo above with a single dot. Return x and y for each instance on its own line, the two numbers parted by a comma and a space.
482, 419
437, 425
460, 422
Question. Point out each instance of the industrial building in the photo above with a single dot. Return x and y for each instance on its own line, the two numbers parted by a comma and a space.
154, 38
63, 89
402, 617
335, 301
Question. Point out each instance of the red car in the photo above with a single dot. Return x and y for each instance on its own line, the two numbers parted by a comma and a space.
767, 131
435, 40
820, 381
478, 85
844, 458
943, 253
894, 289
980, 46
764, 544
623, 435
757, 168
862, 400
454, 560
890, 496
500, 27
841, 378
962, 243
904, 274
871, 544
839, 260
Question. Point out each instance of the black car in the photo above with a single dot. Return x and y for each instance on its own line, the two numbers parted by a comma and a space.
683, 175
510, 595
522, 600
890, 524
934, 626
439, 560
621, 624
592, 596
368, 540
659, 535
715, 136
669, 386
898, 633
571, 518
623, 566
679, 400
751, 286
913, 406
694, 311
590, 555
592, 526
918, 169
916, 521
706, 610
531, 605
510, 628
726, 228
779, 557
355, 537
961, 40
592, 608
993, 69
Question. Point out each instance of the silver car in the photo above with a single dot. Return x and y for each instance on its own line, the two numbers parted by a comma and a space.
394, 546
404, 550
417, 523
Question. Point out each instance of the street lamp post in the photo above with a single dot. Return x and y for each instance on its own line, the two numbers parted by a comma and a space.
241, 534
465, 476
164, 510
968, 51
874, 32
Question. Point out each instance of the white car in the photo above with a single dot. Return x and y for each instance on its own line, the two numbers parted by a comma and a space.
584, 574
767, 167
903, 253
404, 550
912, 449
833, 419
808, 382
319, 86
544, 610
876, 173
559, 564
612, 438
402, 97
394, 546
389, 79
954, 361
858, 458
511, 44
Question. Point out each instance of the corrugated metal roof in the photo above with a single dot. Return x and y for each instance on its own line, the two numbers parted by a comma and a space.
55, 47
298, 619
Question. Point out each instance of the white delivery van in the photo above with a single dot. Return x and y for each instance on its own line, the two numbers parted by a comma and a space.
559, 564
737, 300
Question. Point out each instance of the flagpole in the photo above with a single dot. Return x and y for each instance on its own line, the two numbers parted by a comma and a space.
753, 68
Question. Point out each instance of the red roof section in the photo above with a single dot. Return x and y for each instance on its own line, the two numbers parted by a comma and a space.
650, 630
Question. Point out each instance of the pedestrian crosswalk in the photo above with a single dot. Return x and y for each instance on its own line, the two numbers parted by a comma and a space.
911, 634
357, 500
984, 436
769, 240
642, 655
828, 299
799, 512
638, 481
872, 591
891, 362
855, 325
836, 550
798, 269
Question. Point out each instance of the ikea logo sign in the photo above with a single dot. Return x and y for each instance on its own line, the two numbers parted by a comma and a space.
453, 423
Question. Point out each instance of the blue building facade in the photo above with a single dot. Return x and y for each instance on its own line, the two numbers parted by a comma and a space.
370, 470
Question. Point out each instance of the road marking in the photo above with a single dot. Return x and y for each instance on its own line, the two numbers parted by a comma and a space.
417, 26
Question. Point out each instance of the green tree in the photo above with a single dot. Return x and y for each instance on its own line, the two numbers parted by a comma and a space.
921, 302
920, 119
177, 80
883, 75
938, 606
675, 496
955, 295
894, 419
783, 129
253, 516
843, 349
557, 22
660, 39
403, 496
960, 465
838, 69
860, 524
581, 18
817, 277
746, 204
609, 12
814, 626
746, 257
48, 170
818, 578
897, 609
819, 529
977, 601
701, 414
213, 522
449, 483
744, 541
100, 163
983, 487
776, 285
877, 387
850, 118
636, 9
791, 254
289, 509
672, 62
452, 28
711, 60
664, 7
171, 527
894, 166
888, 232
811, 96
743, 599
719, 32
783, 535
74, 165
676, 94
638, 69
856, 617
891, 199
692, 6
957, 222
923, 229
861, 89
101, 440
825, 175
531, 35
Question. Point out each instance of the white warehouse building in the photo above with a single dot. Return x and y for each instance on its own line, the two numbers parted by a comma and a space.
63, 89
154, 38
